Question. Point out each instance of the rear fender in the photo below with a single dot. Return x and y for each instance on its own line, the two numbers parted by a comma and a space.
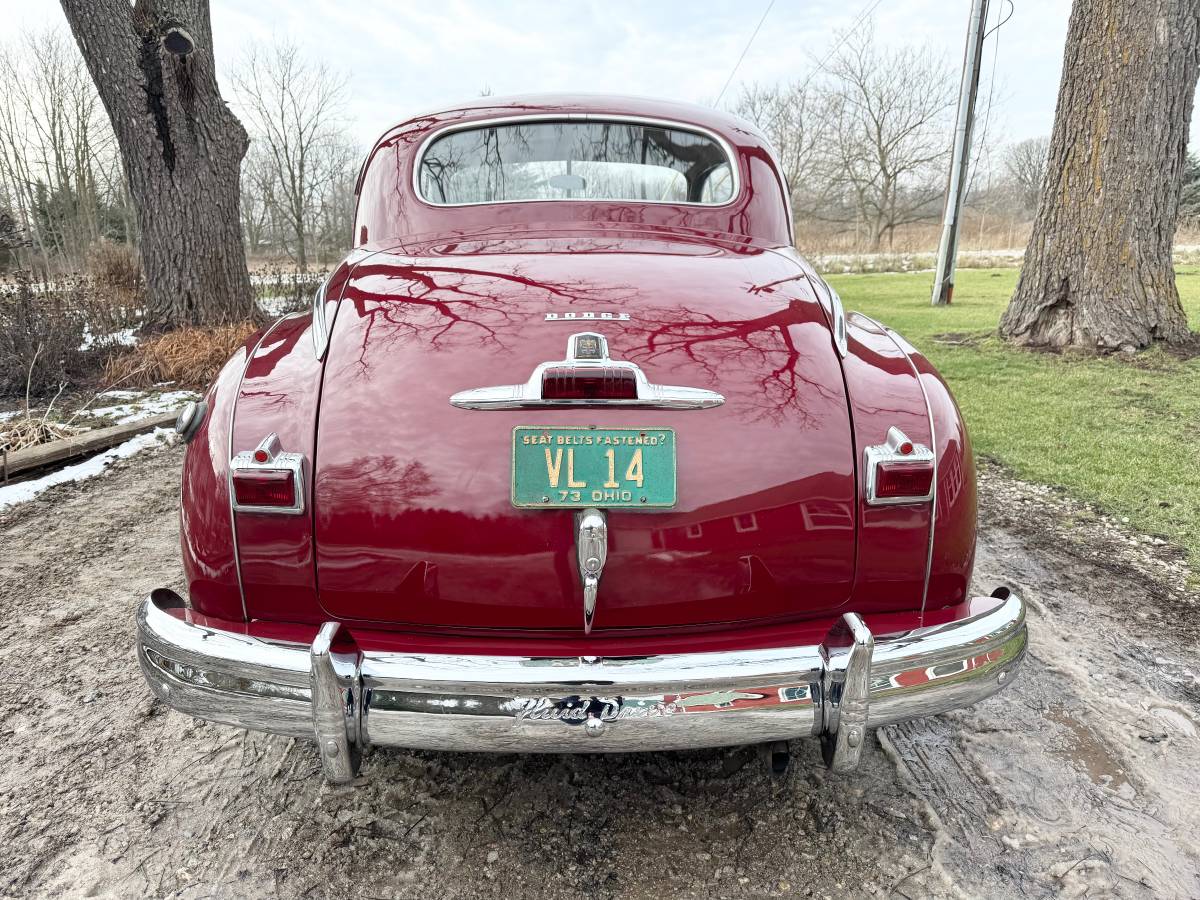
952, 549
205, 512
241, 566
893, 541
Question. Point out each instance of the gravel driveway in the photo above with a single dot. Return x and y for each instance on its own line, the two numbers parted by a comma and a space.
1082, 778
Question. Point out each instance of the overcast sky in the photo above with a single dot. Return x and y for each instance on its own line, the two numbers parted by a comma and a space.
408, 57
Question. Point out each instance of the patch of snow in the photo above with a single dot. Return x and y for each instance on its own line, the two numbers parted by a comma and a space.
11, 414
277, 304
288, 278
141, 405
123, 337
12, 494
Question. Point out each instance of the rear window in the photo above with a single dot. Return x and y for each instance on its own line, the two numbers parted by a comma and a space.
575, 160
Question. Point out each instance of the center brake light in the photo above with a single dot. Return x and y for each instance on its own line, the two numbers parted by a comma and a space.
899, 471
590, 383
265, 480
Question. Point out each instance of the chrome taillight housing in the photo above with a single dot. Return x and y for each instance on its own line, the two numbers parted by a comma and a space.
266, 480
899, 471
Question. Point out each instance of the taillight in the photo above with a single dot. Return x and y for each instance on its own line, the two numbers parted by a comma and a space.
899, 471
264, 487
267, 480
589, 383
896, 480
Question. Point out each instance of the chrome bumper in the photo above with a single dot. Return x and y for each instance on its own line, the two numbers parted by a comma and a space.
349, 699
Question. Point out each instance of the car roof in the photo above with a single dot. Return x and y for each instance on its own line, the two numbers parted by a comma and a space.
725, 124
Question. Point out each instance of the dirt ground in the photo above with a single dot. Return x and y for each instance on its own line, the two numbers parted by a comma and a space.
1079, 780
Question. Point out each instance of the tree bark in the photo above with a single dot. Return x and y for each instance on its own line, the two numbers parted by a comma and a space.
181, 149
1098, 270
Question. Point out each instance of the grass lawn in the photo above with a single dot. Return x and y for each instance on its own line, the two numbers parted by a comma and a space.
1120, 431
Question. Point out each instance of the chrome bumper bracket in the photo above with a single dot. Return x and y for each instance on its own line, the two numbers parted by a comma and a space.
847, 694
334, 703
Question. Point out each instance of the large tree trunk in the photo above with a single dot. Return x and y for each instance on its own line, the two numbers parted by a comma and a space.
1098, 269
181, 149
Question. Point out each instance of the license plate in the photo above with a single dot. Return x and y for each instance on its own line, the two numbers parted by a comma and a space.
556, 468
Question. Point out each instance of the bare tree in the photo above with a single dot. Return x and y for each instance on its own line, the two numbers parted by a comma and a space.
888, 116
1098, 271
790, 117
56, 147
293, 107
1025, 164
181, 147
335, 202
259, 205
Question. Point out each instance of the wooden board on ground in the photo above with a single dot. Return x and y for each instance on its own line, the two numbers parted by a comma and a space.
78, 445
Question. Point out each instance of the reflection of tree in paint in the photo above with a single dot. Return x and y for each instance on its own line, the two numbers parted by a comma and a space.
391, 483
447, 307
723, 348
450, 306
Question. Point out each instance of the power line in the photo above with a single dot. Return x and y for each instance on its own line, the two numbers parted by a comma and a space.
858, 20
745, 50
1001, 20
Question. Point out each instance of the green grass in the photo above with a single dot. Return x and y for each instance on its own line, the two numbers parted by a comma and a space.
1122, 432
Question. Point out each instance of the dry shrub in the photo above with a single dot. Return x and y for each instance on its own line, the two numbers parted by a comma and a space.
29, 431
189, 357
41, 336
115, 271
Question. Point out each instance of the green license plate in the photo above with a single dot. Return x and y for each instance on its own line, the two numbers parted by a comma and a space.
555, 468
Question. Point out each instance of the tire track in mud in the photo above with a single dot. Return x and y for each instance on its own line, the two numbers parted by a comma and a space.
105, 792
1078, 779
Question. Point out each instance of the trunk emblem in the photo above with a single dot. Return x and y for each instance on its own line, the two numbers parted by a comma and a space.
591, 546
587, 317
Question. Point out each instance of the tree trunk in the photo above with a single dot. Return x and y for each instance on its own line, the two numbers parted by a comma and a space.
1098, 270
181, 149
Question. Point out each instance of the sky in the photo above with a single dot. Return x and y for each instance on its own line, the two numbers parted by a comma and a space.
403, 58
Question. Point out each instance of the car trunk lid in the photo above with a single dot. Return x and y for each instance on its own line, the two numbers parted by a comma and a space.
414, 522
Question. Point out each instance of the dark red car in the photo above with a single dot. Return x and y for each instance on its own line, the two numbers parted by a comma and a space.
574, 452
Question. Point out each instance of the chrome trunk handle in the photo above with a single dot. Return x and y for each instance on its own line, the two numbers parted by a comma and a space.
587, 350
591, 546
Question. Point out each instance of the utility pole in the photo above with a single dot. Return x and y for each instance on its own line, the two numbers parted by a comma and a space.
956, 188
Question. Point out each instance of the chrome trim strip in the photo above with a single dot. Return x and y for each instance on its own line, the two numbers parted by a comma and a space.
889, 451
237, 395
840, 334
529, 394
735, 166
320, 329
532, 704
896, 340
933, 493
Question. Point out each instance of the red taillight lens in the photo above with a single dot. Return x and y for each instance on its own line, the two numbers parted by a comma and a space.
264, 487
894, 480
588, 383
